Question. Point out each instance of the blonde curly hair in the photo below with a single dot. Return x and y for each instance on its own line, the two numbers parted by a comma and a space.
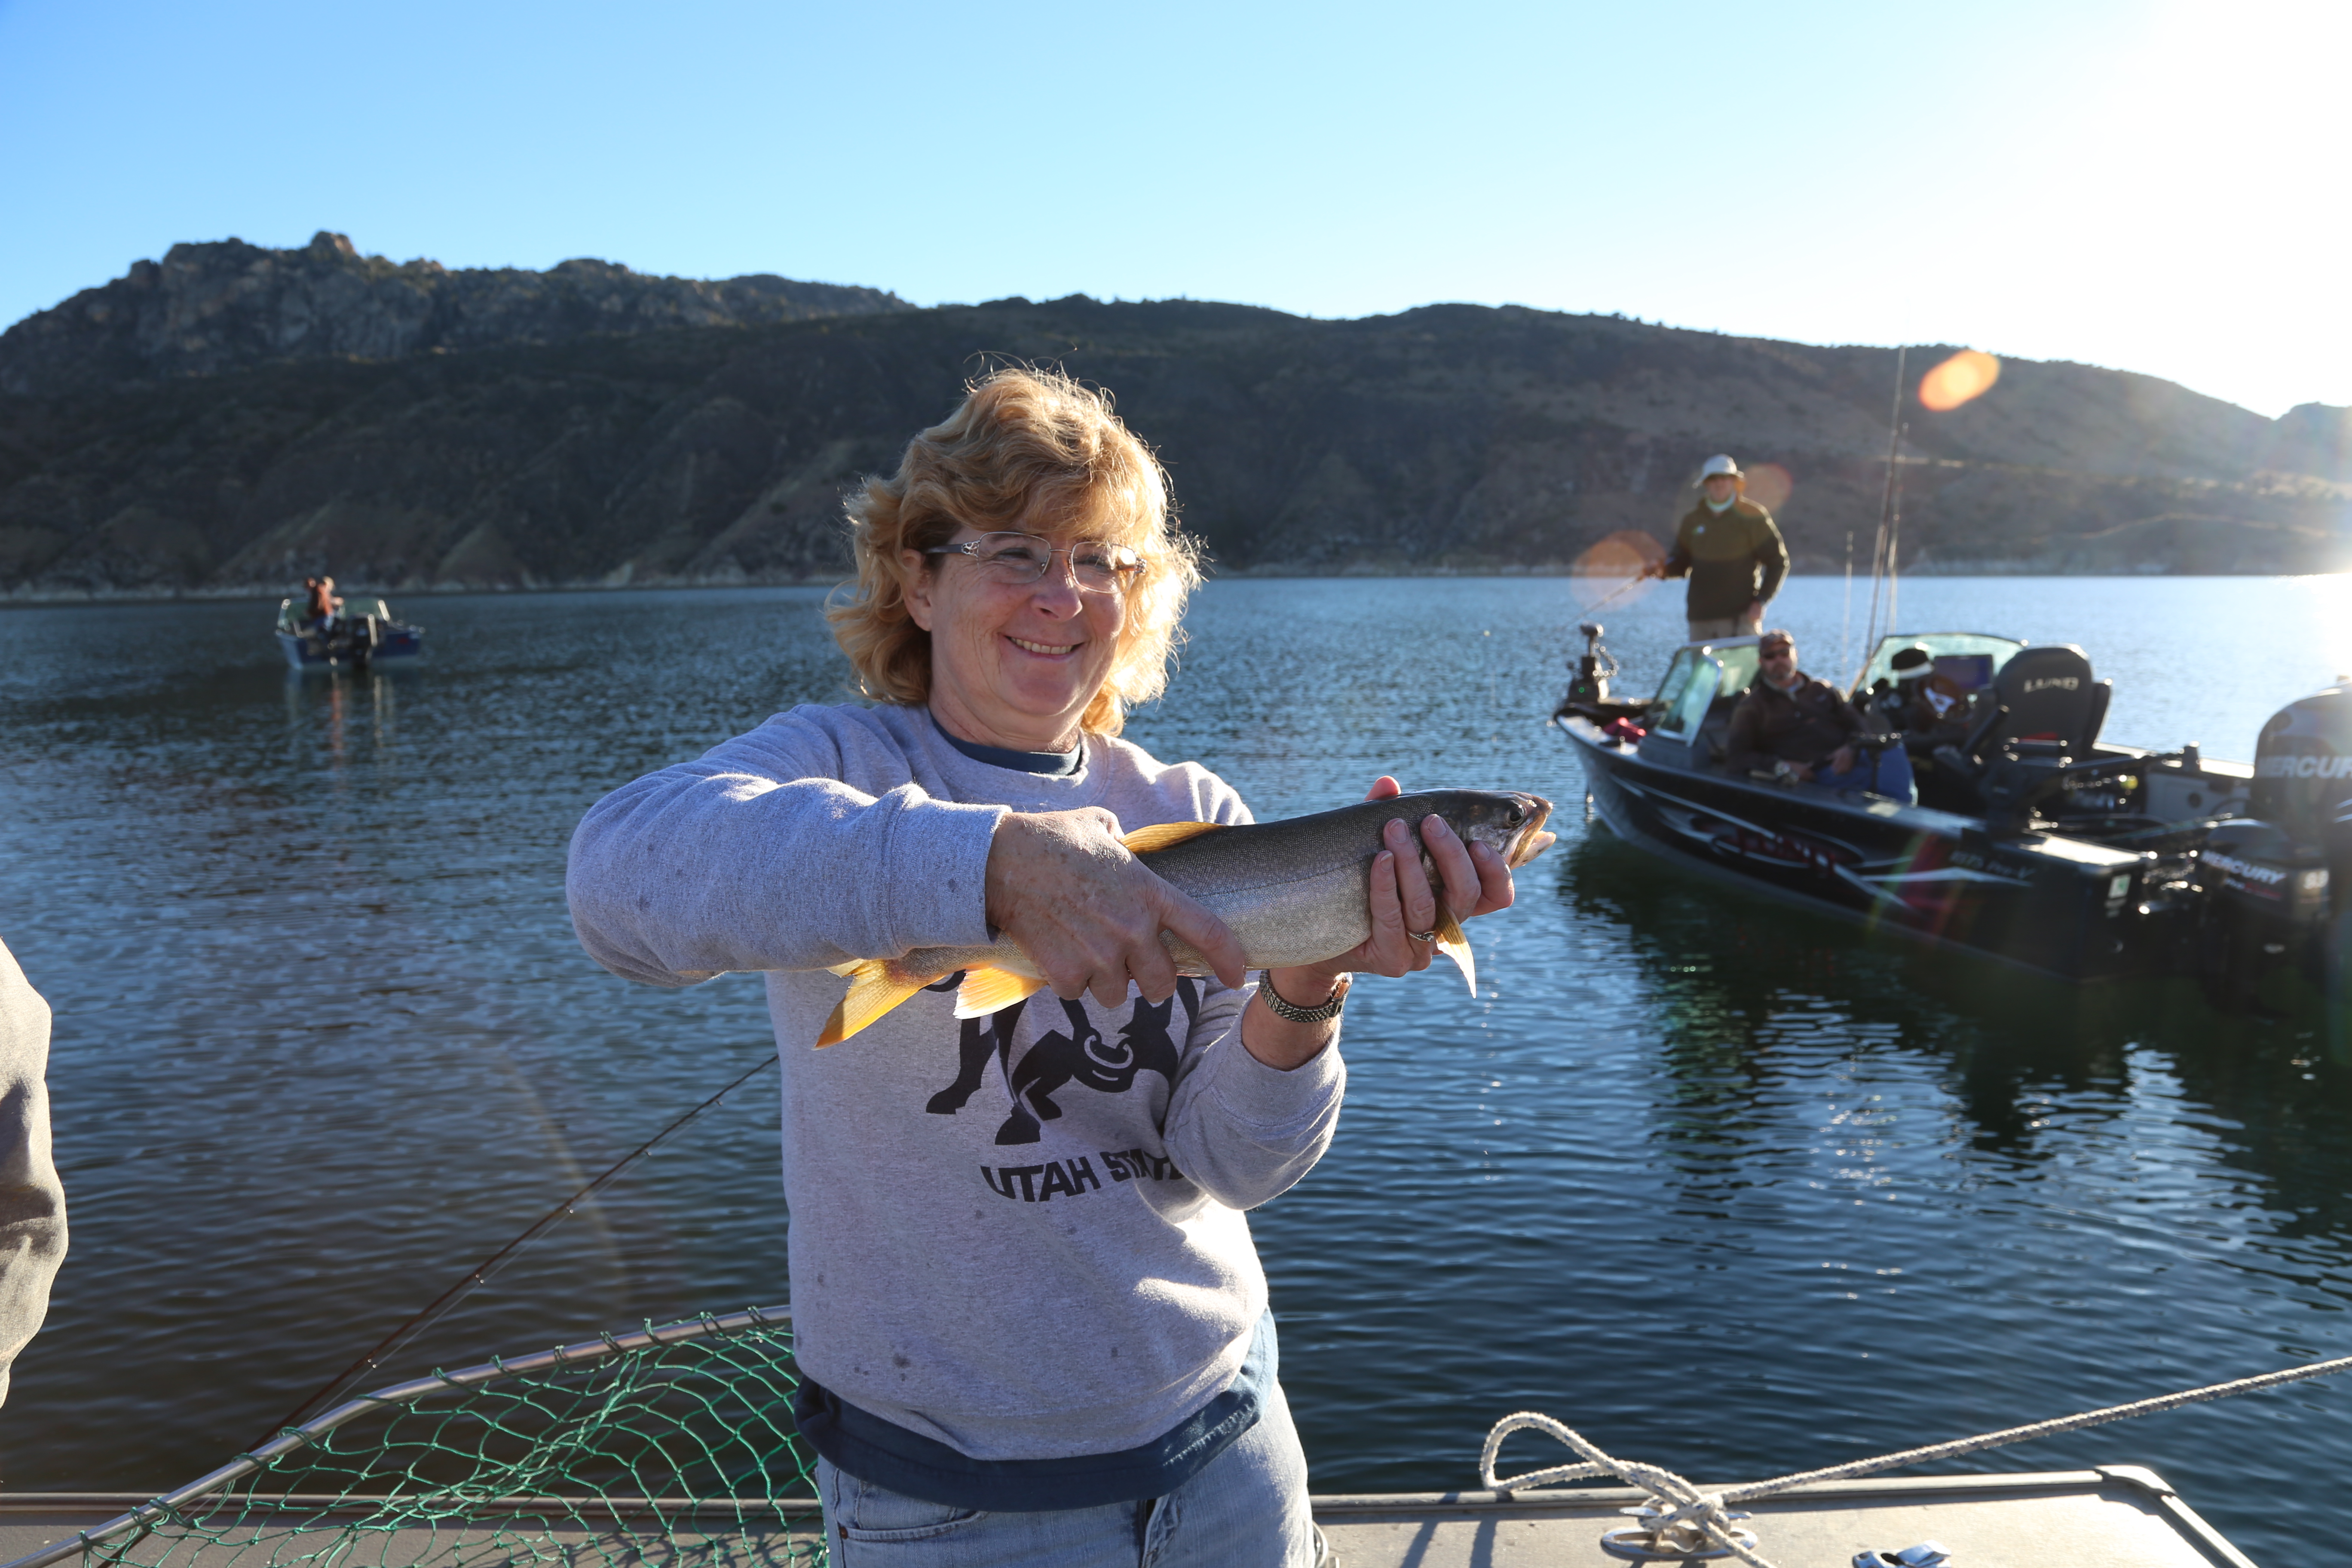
1034, 450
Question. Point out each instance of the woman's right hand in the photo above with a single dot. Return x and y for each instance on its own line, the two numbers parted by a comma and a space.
1089, 914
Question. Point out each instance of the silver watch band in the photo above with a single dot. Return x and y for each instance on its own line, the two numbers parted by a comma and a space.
1297, 1015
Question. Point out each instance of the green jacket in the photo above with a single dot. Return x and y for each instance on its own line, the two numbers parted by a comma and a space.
1724, 553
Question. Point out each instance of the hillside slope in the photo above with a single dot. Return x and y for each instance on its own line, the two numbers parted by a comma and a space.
1452, 438
207, 308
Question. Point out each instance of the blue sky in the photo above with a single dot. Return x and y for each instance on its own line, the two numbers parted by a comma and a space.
2155, 187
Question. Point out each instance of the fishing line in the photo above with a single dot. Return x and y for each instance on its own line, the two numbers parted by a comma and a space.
1624, 587
1845, 626
1886, 504
1895, 536
443, 1304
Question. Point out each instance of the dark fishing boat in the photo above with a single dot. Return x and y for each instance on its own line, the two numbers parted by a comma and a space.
2033, 841
365, 632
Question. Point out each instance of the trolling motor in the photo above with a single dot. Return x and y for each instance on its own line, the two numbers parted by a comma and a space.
1588, 683
1589, 680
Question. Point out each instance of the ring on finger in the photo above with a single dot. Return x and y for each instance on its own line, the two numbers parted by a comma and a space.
1421, 935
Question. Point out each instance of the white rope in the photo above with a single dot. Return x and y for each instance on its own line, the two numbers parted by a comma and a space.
1689, 1522
1687, 1519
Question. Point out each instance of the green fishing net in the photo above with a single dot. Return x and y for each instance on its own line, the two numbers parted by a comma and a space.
671, 1444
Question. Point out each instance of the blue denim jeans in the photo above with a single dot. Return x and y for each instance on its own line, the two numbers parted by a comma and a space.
1246, 1508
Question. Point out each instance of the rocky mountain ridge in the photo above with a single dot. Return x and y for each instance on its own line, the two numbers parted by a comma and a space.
1445, 438
212, 308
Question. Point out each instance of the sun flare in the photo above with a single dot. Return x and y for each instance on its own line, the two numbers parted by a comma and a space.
1967, 375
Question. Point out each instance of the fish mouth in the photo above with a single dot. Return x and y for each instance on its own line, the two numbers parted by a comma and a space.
1531, 840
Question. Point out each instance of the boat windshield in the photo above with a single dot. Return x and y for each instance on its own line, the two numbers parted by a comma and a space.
1968, 660
1692, 682
1733, 660
1738, 658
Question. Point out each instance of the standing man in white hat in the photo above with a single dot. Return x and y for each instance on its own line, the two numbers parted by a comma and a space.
1732, 552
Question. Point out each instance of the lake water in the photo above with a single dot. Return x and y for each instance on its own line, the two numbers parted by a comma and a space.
1729, 1188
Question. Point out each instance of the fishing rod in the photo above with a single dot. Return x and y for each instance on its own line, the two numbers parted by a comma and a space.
442, 1305
1618, 592
1845, 622
1889, 513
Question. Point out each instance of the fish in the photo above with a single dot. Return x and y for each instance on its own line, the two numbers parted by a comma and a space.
1292, 891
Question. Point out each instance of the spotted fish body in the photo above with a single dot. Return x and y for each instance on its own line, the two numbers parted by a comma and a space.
1292, 892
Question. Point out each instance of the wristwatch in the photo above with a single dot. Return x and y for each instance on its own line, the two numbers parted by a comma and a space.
1327, 1010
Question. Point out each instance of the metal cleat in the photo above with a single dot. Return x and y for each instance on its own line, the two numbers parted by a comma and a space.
1927, 1555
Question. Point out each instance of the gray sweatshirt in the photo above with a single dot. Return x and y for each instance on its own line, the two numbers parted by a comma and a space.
32, 1199
1020, 1235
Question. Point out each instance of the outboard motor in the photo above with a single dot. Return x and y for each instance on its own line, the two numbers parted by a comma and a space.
1591, 682
2303, 772
2271, 882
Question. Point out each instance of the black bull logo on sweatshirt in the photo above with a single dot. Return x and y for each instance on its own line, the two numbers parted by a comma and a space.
1059, 1059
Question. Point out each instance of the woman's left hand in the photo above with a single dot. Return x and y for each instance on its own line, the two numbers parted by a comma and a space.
1474, 880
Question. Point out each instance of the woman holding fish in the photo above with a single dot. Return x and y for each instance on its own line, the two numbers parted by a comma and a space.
1031, 1324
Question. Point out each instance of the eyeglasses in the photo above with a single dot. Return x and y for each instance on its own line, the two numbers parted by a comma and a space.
1018, 559
1776, 650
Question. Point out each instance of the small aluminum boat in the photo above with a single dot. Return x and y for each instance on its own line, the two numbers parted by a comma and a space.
365, 632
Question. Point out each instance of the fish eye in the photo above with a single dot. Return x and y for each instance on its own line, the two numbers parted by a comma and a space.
1513, 816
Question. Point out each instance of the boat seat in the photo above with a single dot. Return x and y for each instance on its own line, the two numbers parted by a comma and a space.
2045, 697
2044, 712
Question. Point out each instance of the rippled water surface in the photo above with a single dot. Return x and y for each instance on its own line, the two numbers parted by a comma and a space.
1732, 1189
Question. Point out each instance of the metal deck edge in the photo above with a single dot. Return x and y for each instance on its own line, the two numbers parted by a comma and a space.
1482, 1501
2152, 1488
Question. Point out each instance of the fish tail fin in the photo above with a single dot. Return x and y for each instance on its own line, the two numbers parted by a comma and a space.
1456, 946
987, 991
876, 986
1166, 835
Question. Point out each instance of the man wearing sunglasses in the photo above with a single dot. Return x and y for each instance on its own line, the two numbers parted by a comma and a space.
1799, 730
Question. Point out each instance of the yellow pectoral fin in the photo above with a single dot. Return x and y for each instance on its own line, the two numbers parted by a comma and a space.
988, 990
1144, 840
1456, 946
873, 989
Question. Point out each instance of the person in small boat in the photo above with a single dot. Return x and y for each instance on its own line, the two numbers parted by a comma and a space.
1926, 709
1794, 727
1731, 551
1030, 1320
324, 606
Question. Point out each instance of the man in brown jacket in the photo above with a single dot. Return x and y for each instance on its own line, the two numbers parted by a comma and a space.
1731, 551
1797, 728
